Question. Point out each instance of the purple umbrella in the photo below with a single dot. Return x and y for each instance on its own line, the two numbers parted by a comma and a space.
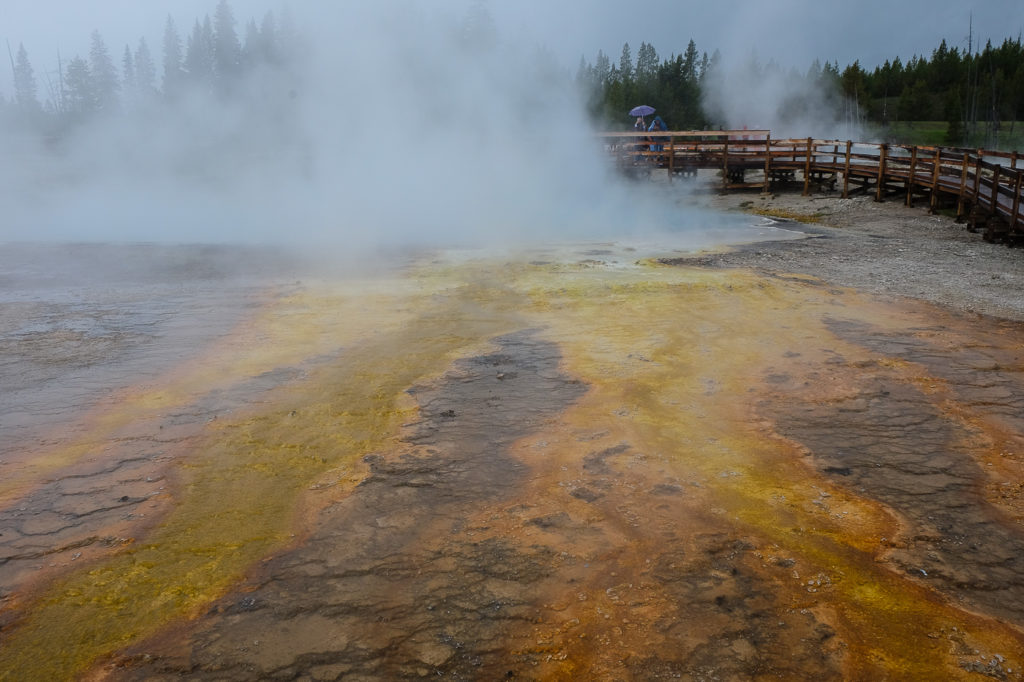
642, 110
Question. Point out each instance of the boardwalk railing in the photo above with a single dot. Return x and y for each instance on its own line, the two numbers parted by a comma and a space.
985, 186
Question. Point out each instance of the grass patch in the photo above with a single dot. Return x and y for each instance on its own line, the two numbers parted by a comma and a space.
785, 214
931, 133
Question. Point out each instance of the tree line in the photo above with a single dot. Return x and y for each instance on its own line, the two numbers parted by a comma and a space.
211, 58
977, 93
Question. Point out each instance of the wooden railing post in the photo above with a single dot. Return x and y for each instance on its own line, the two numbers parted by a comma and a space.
976, 196
995, 189
963, 186
913, 174
807, 167
725, 162
671, 156
767, 161
934, 199
880, 182
846, 170
1016, 201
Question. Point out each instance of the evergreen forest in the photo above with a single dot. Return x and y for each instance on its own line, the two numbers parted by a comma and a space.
972, 97
977, 96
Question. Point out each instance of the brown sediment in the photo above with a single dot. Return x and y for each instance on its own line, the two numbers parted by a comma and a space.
95, 482
566, 472
927, 416
239, 487
447, 558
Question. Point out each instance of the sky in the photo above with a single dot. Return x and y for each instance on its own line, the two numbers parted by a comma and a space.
792, 32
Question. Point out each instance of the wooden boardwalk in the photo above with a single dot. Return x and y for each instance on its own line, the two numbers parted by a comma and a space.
984, 186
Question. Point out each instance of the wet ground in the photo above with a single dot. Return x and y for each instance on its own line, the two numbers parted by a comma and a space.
574, 464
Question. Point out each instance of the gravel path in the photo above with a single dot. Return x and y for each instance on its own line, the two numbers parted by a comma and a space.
884, 248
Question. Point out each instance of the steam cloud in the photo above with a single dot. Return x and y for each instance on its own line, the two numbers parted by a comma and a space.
408, 127
748, 94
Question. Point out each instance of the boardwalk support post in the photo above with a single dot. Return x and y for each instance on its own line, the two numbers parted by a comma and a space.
880, 181
807, 167
995, 226
977, 178
963, 186
934, 202
671, 157
725, 162
995, 189
846, 170
913, 174
1016, 202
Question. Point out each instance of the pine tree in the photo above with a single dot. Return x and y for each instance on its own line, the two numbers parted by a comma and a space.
602, 68
130, 84
104, 74
714, 63
145, 72
227, 51
955, 127
852, 82
252, 48
646, 63
813, 74
270, 48
581, 71
173, 73
286, 39
25, 83
479, 33
199, 59
690, 62
914, 102
80, 96
626, 64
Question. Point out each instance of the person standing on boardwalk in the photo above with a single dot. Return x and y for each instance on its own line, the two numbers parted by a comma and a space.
643, 140
657, 124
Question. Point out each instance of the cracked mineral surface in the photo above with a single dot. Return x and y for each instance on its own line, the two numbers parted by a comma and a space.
572, 463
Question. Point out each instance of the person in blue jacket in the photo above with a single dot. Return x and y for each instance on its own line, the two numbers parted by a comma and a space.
657, 124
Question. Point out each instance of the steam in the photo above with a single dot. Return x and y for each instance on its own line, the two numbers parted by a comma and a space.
748, 94
409, 126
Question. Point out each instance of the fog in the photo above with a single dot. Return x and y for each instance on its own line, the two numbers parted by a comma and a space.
750, 94
410, 125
